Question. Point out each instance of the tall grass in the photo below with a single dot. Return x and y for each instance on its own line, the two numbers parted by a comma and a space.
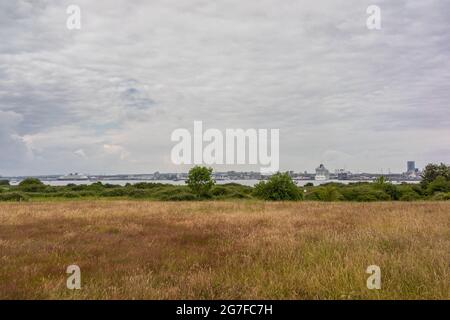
224, 250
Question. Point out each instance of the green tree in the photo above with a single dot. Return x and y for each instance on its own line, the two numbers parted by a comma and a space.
432, 171
380, 180
279, 187
30, 182
31, 185
200, 181
4, 182
440, 184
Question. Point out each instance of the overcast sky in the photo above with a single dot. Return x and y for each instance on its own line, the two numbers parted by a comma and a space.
105, 99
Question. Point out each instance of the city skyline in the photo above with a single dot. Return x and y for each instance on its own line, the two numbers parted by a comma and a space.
332, 171
106, 97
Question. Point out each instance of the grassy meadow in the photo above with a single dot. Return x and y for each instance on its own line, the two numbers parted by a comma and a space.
246, 249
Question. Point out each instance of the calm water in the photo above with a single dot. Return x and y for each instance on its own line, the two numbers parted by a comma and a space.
181, 182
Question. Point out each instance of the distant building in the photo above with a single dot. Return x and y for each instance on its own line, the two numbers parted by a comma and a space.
411, 166
322, 173
411, 170
342, 174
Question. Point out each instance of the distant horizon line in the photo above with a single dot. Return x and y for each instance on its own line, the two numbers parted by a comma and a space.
179, 173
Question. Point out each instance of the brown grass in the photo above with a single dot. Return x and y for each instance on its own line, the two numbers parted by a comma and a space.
224, 250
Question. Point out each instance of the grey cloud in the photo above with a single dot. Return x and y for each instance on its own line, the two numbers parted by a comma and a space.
13, 150
137, 70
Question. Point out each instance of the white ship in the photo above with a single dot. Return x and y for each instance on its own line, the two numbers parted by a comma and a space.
73, 177
322, 173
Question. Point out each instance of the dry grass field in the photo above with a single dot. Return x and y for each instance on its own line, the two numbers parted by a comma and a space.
224, 250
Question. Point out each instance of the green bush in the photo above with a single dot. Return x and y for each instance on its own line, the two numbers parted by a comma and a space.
417, 188
116, 192
181, 196
221, 191
13, 196
364, 193
440, 184
31, 185
238, 195
69, 194
327, 193
231, 191
232, 184
147, 185
87, 193
440, 196
60, 194
4, 182
96, 186
39, 194
30, 182
173, 193
139, 194
279, 187
235, 187
77, 187
410, 192
409, 196
110, 186
391, 190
